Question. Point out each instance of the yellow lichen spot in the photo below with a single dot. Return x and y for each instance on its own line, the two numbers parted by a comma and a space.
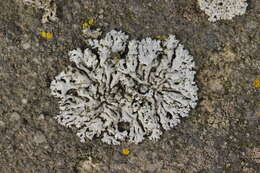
91, 21
257, 82
125, 151
88, 23
161, 37
47, 35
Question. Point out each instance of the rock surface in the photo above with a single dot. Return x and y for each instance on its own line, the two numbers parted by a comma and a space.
221, 135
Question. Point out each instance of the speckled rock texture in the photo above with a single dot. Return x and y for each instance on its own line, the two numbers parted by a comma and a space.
220, 135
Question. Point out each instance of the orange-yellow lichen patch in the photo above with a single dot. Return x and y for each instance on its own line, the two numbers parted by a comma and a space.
125, 151
88, 23
47, 35
257, 82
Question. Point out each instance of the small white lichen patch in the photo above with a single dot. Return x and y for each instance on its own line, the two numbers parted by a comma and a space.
91, 33
222, 9
126, 90
49, 7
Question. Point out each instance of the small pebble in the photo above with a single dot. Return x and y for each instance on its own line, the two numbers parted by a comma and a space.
101, 11
15, 116
39, 138
26, 46
101, 16
215, 85
89, 166
24, 101
2, 124
41, 117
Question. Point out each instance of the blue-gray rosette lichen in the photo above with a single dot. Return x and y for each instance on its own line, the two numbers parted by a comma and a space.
126, 90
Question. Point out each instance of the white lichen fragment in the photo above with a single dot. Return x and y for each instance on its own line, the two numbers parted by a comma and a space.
91, 33
126, 90
49, 7
222, 9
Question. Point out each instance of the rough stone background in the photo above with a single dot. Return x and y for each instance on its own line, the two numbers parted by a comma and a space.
221, 135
